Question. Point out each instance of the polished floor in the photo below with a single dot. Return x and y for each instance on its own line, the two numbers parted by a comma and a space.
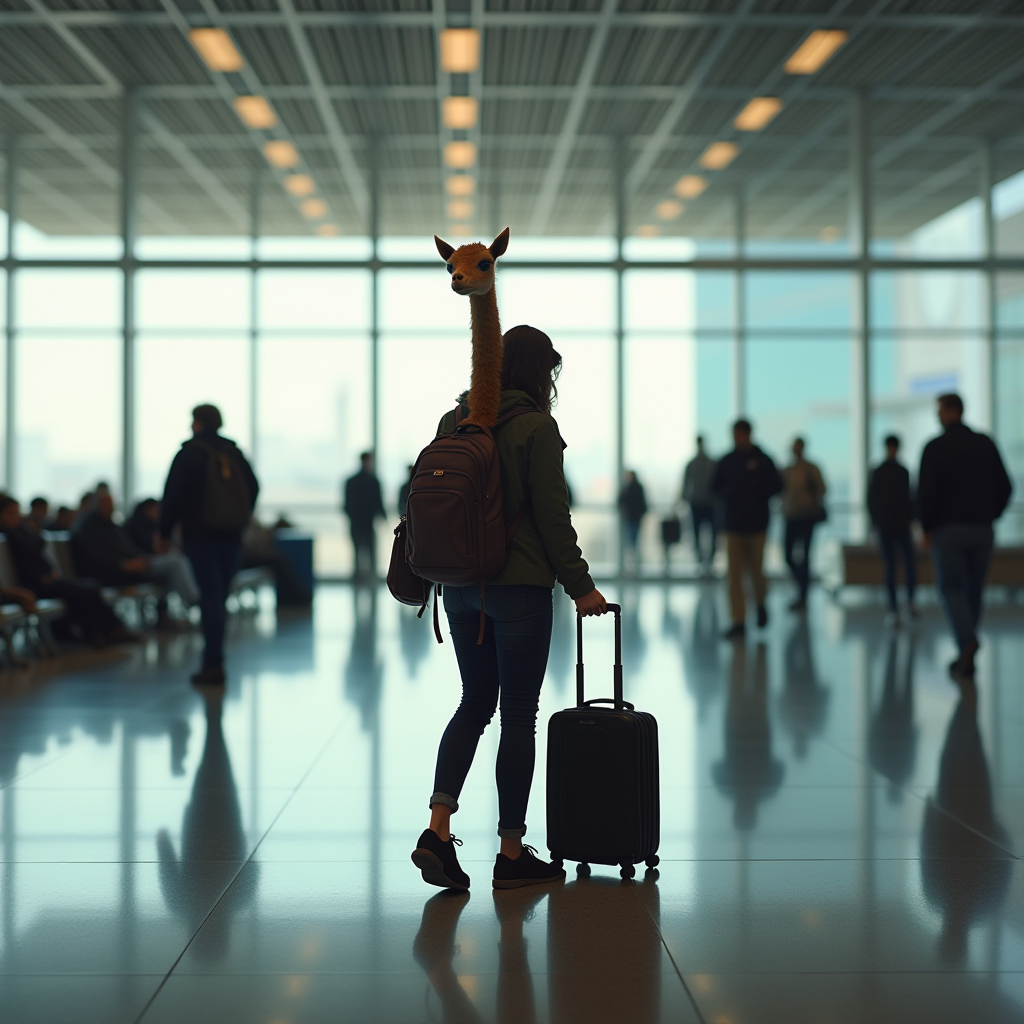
841, 831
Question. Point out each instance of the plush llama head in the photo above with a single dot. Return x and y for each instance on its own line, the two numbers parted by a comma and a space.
472, 265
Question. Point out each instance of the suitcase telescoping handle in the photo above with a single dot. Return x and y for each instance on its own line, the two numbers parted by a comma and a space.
619, 703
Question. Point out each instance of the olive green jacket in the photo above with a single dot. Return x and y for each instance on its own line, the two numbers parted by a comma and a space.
545, 547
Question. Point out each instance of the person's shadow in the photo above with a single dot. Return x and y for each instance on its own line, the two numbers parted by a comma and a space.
213, 846
364, 670
701, 653
748, 773
415, 637
892, 732
803, 704
965, 861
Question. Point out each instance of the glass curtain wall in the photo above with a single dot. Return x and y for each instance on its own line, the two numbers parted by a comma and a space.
673, 340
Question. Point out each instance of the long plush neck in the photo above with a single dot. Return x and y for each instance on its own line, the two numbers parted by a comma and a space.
485, 383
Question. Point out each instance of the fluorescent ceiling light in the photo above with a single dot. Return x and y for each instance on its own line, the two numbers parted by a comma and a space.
254, 111
829, 234
757, 113
280, 153
215, 47
814, 51
668, 209
460, 185
689, 186
459, 154
299, 185
313, 208
719, 155
648, 231
460, 50
459, 111
327, 230
461, 230
460, 209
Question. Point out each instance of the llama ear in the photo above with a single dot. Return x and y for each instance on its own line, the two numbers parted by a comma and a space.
443, 248
499, 245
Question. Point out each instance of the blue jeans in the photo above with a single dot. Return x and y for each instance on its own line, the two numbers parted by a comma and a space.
962, 554
214, 563
898, 544
509, 665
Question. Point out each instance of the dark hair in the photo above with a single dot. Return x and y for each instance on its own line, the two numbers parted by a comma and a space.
951, 402
531, 364
40, 500
144, 504
892, 441
208, 417
363, 456
743, 426
6, 501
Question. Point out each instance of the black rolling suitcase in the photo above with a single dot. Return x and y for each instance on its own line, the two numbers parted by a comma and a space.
603, 792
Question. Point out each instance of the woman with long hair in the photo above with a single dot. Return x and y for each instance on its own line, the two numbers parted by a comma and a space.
507, 669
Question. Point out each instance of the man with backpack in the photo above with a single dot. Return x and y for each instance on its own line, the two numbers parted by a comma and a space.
210, 492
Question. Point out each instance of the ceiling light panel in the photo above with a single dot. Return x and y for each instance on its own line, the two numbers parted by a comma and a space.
214, 45
719, 155
280, 153
814, 51
313, 208
648, 231
758, 113
460, 209
460, 50
459, 155
689, 186
327, 230
668, 209
460, 185
459, 112
299, 185
254, 111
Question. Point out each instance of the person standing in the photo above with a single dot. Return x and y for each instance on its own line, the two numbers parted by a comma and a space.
891, 507
404, 491
363, 505
963, 487
802, 494
697, 493
632, 509
744, 481
508, 666
210, 493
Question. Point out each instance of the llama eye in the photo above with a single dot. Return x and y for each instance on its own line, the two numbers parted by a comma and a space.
449, 268
484, 265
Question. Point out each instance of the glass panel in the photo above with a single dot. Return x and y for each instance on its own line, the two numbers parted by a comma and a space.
1010, 429
1008, 208
715, 301
557, 302
174, 374
802, 388
80, 300
209, 300
787, 300
309, 298
929, 300
314, 419
713, 399
68, 414
1010, 301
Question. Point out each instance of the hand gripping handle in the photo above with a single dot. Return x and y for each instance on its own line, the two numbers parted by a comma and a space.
617, 670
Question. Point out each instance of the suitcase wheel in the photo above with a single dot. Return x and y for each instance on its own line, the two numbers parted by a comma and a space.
653, 862
628, 871
583, 870
557, 859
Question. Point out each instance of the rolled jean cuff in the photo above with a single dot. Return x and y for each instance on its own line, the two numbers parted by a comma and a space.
445, 801
512, 833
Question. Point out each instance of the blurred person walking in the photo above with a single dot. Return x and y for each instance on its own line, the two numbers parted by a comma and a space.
697, 493
632, 509
364, 504
891, 507
802, 493
745, 480
963, 487
210, 493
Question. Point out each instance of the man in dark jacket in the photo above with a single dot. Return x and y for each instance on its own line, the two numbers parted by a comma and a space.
105, 551
363, 505
891, 508
632, 509
744, 481
210, 493
963, 487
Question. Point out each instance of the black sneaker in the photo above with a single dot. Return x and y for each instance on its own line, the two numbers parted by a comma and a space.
211, 676
526, 869
762, 616
437, 861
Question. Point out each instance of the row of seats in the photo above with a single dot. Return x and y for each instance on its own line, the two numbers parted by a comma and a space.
35, 627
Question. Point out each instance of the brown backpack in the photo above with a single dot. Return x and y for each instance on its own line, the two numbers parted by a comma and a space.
454, 529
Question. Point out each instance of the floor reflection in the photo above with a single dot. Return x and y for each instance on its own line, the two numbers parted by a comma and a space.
748, 773
803, 705
213, 842
965, 876
892, 734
